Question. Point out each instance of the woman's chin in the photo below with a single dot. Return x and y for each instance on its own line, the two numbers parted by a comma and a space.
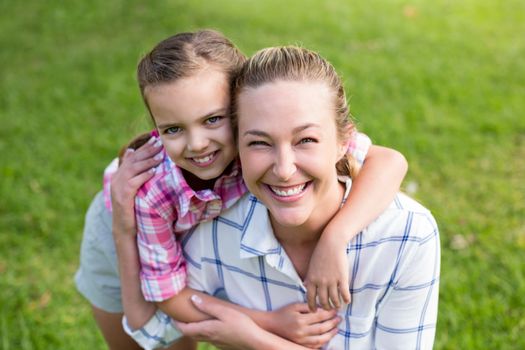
288, 218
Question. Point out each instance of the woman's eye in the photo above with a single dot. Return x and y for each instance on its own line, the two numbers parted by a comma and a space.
172, 130
307, 140
257, 143
213, 120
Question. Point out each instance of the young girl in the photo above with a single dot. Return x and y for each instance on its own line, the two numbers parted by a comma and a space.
185, 82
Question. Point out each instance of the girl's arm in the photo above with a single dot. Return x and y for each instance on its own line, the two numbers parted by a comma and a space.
372, 191
135, 169
232, 329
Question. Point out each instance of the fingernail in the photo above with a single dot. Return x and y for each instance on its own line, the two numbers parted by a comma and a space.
152, 170
152, 140
196, 299
158, 157
129, 150
158, 143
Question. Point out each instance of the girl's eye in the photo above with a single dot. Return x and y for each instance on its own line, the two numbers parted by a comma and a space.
173, 130
213, 120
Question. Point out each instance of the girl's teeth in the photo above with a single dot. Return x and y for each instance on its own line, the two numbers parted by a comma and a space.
289, 192
203, 160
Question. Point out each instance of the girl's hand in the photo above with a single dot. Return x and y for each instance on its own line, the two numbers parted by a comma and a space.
136, 167
296, 323
327, 277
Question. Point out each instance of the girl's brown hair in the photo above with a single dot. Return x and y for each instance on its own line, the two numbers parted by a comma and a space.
180, 56
183, 54
291, 63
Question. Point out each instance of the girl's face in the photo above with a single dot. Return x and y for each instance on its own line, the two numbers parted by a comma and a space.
288, 147
191, 115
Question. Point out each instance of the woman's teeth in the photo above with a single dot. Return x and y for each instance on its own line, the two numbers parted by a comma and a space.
288, 192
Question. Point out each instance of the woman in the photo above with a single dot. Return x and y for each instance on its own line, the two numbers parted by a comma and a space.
291, 121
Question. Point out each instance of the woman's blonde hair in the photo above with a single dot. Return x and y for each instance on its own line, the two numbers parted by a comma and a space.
292, 63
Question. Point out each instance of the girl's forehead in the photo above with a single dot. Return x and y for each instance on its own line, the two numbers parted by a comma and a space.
189, 98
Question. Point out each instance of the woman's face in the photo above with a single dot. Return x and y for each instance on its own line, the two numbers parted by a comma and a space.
288, 147
191, 115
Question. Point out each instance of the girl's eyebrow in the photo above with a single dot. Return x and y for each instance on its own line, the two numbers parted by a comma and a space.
167, 125
298, 129
218, 111
215, 112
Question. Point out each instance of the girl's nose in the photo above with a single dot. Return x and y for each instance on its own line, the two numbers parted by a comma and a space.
197, 142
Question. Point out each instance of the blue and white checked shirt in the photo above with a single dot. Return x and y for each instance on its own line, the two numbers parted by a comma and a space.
394, 272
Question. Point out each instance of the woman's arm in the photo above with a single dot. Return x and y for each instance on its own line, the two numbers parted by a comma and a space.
294, 322
231, 329
372, 191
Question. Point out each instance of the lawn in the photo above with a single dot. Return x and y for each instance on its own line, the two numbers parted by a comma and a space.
442, 81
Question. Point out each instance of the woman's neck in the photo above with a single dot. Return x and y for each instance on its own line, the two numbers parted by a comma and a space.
299, 242
311, 230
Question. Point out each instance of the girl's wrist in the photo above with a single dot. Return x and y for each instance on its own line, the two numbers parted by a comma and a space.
335, 236
263, 319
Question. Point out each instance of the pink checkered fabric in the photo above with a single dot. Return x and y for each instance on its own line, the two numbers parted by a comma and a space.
166, 206
358, 146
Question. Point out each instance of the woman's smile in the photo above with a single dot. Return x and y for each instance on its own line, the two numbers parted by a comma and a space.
289, 193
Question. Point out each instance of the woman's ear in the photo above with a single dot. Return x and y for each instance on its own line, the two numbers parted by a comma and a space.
345, 141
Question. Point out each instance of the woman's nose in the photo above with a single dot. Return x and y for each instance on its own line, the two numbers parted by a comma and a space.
284, 166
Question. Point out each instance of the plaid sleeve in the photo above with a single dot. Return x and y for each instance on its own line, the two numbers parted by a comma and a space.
158, 332
163, 269
358, 146
407, 318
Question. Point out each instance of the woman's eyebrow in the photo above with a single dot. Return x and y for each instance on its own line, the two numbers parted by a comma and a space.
305, 126
255, 133
300, 128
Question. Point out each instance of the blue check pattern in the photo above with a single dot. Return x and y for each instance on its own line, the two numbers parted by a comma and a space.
394, 272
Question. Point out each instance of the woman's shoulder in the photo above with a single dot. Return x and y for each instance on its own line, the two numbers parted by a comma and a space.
404, 220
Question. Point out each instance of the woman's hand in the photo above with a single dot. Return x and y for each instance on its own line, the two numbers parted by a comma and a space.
295, 322
231, 329
136, 167
327, 277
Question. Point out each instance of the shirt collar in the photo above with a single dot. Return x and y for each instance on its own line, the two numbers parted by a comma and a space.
257, 236
184, 193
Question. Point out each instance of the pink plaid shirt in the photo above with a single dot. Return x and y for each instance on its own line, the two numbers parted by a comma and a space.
166, 206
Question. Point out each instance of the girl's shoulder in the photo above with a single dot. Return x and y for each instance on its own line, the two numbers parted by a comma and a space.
163, 179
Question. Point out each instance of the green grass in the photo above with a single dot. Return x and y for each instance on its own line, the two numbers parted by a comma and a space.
442, 81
